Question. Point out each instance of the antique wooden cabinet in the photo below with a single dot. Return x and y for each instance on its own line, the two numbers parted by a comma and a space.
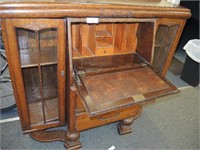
88, 63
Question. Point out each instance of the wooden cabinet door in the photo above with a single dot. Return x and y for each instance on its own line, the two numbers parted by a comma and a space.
36, 57
168, 32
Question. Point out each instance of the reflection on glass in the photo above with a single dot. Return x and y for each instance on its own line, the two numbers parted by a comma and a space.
27, 46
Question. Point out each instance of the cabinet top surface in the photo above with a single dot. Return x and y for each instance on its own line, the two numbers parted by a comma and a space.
134, 2
85, 8
158, 3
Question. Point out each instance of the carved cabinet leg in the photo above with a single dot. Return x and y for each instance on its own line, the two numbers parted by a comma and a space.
49, 136
73, 142
72, 135
124, 126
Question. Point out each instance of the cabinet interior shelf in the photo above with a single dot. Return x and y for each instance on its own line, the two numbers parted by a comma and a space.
162, 45
103, 44
102, 34
102, 63
29, 57
41, 64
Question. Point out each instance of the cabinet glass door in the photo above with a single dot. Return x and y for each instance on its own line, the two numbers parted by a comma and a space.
41, 58
38, 56
163, 42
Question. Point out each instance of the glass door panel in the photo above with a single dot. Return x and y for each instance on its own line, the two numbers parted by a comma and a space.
50, 92
163, 42
38, 57
48, 46
33, 97
27, 47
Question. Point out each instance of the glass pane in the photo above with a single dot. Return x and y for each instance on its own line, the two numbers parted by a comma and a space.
33, 96
38, 56
48, 45
50, 91
27, 47
162, 30
163, 42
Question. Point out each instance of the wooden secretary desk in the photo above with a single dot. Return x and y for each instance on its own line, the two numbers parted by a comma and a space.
87, 63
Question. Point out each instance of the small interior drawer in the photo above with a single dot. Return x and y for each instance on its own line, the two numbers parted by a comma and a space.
105, 50
126, 80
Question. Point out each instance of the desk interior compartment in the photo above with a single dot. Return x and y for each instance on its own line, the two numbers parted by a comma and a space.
112, 36
112, 64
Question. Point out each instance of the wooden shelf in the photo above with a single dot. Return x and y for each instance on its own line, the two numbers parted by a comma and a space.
29, 58
103, 44
102, 34
162, 45
36, 65
100, 63
47, 35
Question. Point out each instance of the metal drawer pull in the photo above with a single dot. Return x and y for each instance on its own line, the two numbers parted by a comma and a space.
104, 119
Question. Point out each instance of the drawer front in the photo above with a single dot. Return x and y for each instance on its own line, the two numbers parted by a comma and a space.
104, 51
84, 121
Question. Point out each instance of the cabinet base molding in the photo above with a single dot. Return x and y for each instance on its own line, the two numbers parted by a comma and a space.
59, 135
49, 136
122, 129
73, 145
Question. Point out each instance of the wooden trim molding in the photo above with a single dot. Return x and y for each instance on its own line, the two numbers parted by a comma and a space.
73, 9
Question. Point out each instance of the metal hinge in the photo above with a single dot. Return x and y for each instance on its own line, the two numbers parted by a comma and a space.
143, 64
82, 73
62, 73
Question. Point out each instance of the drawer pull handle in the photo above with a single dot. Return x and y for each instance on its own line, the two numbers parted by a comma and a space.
104, 119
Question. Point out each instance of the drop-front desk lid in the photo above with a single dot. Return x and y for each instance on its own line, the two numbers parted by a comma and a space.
108, 83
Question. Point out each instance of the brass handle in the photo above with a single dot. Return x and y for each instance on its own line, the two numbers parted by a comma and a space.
104, 119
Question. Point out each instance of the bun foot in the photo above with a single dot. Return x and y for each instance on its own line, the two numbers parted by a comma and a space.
124, 126
72, 142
